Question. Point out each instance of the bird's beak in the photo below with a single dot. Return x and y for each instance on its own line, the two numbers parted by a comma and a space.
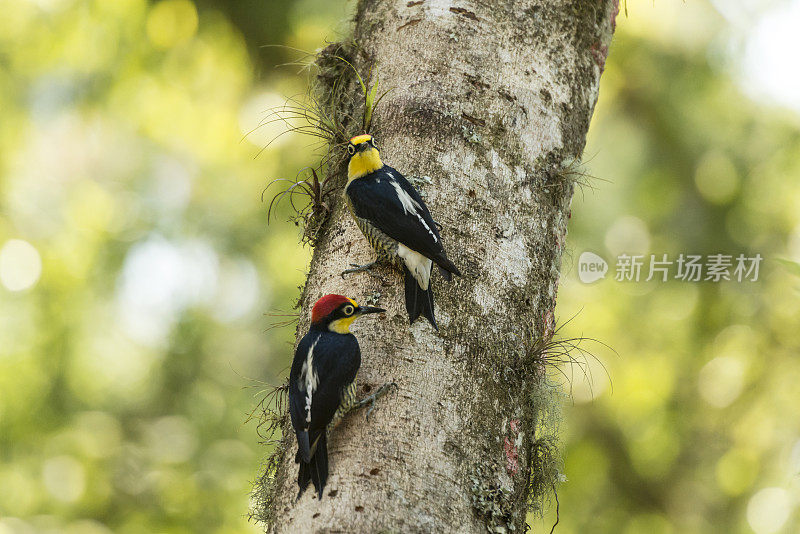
362, 147
363, 310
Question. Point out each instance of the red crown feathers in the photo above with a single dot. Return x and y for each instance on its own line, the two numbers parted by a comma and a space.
324, 306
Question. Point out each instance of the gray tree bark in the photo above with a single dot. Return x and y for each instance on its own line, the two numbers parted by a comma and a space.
490, 101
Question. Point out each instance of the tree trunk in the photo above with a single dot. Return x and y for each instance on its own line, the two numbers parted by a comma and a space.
490, 103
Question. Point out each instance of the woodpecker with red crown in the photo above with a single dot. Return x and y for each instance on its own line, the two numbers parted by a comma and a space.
395, 220
322, 383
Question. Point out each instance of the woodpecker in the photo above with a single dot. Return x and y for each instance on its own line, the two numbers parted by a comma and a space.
395, 220
322, 383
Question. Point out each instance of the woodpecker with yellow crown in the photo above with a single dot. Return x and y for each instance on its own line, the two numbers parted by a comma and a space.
322, 383
397, 223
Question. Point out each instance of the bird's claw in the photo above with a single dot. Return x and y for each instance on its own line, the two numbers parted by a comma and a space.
356, 268
383, 390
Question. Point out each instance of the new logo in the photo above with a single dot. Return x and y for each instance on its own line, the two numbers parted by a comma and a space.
591, 267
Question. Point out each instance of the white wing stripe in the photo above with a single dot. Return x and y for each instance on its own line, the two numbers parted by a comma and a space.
309, 376
411, 206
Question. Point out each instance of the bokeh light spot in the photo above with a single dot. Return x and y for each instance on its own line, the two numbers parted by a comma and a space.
736, 471
20, 265
716, 178
628, 235
238, 291
159, 280
654, 449
100, 434
15, 525
768, 510
260, 120
171, 22
64, 478
171, 439
721, 380
794, 460
19, 491
767, 69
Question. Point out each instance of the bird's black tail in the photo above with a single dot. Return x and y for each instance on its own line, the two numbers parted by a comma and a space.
316, 470
419, 301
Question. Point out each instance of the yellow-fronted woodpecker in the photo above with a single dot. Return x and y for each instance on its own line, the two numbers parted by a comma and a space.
397, 223
322, 383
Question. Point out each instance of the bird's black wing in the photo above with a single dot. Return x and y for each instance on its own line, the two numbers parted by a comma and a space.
337, 358
324, 365
388, 201
297, 395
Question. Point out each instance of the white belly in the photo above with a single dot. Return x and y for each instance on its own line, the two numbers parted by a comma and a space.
419, 265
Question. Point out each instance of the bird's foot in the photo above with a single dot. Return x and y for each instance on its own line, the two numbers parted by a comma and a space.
370, 399
356, 268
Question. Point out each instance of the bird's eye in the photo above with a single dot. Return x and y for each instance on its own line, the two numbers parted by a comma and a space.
348, 310
373, 143
351, 149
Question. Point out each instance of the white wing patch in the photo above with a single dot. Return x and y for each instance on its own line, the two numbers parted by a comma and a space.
309, 379
419, 265
410, 205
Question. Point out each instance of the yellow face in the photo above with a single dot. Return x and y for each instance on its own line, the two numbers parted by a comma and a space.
342, 325
364, 157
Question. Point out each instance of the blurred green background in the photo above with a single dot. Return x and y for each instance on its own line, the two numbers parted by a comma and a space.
137, 271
